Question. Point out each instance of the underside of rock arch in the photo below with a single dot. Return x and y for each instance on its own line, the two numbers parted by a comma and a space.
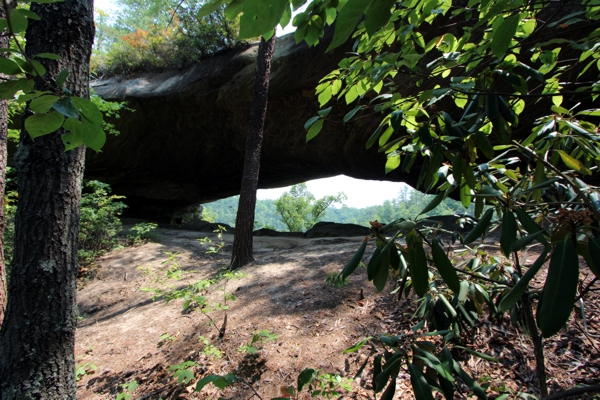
185, 141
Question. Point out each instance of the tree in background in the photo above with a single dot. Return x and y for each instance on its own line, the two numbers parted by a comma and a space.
300, 211
4, 40
148, 35
244, 223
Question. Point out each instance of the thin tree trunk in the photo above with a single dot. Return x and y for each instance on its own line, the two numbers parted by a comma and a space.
4, 42
38, 336
244, 221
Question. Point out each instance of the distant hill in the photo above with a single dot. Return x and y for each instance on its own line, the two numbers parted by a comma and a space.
407, 205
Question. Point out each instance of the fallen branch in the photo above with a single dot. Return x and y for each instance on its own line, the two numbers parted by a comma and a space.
574, 391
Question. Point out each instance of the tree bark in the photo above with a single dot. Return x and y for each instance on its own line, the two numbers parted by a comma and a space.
4, 41
244, 221
38, 337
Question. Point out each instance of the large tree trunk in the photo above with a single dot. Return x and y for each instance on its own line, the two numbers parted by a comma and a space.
38, 336
244, 221
4, 41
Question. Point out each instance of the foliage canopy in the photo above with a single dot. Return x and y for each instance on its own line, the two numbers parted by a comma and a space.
147, 35
299, 209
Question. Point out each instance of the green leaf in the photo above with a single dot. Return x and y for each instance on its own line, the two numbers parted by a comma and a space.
418, 268
424, 135
381, 277
503, 35
478, 354
465, 194
61, 77
323, 113
184, 375
310, 122
502, 130
347, 20
421, 388
351, 113
524, 241
470, 382
511, 298
9, 67
506, 111
396, 120
43, 124
529, 224
49, 56
395, 258
374, 264
481, 226
574, 163
8, 89
29, 14
391, 370
532, 72
93, 136
433, 362
314, 129
433, 203
260, 16
18, 20
305, 377
73, 139
89, 111
286, 17
484, 144
594, 248
544, 183
217, 380
233, 9
66, 107
357, 346
26, 84
378, 15
211, 7
26, 97
392, 162
560, 288
444, 266
508, 234
43, 104
354, 261
83, 133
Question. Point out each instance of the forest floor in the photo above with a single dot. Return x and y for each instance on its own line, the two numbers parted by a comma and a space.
123, 335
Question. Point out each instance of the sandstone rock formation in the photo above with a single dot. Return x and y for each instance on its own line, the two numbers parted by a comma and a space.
184, 143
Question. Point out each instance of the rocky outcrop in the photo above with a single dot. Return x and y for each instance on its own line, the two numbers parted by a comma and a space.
184, 143
333, 229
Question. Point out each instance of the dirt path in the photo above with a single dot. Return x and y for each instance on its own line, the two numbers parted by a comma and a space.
283, 292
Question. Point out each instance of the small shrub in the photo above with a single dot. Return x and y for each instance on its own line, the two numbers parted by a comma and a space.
84, 369
99, 222
142, 233
128, 389
262, 336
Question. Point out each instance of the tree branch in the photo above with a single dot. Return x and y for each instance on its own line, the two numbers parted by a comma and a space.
574, 391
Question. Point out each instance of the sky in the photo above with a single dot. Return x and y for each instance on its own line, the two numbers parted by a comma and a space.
360, 193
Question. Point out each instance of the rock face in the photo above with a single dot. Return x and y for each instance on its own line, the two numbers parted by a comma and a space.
332, 229
184, 144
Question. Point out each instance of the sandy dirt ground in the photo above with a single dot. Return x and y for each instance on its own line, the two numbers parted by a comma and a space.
123, 335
